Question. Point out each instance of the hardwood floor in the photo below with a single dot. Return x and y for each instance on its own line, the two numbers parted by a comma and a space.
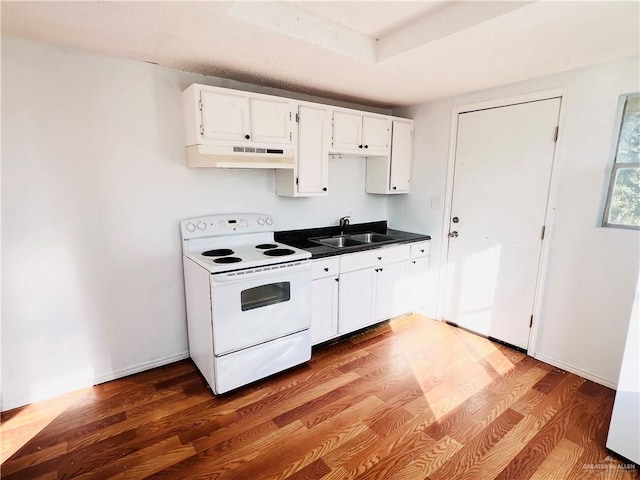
411, 399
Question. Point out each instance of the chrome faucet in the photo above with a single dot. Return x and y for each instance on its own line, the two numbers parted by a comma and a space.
344, 223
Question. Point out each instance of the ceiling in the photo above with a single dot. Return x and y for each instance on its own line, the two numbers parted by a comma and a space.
379, 53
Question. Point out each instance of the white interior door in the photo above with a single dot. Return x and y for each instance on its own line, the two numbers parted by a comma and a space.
501, 185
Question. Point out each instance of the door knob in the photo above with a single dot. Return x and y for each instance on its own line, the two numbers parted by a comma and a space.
453, 234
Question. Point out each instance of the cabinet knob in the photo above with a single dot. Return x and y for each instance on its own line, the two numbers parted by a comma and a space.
422, 250
395, 188
366, 146
324, 189
337, 279
326, 269
379, 258
247, 137
359, 146
413, 261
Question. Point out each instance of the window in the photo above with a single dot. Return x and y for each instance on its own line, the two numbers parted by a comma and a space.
265, 295
622, 209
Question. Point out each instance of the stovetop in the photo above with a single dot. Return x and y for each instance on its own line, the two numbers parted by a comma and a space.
222, 243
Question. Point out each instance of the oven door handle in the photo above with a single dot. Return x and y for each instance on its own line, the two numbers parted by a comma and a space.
258, 272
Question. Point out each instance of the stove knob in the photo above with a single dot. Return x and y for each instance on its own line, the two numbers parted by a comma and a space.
202, 225
260, 221
190, 227
268, 221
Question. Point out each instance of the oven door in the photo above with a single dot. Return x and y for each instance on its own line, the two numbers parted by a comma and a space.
259, 305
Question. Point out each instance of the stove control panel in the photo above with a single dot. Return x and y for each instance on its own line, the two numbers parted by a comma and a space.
214, 225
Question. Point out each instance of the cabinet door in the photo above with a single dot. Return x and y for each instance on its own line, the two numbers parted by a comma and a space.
225, 116
375, 135
392, 298
270, 121
347, 131
313, 149
400, 156
417, 284
356, 300
324, 309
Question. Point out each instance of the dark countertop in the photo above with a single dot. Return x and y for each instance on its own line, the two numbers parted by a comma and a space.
302, 238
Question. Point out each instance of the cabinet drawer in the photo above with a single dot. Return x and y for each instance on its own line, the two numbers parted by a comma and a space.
372, 258
325, 267
420, 249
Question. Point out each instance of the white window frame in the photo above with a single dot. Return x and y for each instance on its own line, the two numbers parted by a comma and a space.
618, 166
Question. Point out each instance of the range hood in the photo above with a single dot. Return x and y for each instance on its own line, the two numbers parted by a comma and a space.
222, 156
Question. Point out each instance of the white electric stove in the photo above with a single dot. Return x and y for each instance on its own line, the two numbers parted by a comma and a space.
248, 299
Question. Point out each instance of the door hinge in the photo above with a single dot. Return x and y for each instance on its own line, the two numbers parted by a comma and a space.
542, 232
202, 130
200, 104
531, 321
297, 118
290, 136
556, 133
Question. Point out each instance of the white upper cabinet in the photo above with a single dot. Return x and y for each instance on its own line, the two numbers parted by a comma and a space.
375, 134
310, 177
401, 148
225, 116
313, 149
220, 116
347, 131
271, 121
391, 174
225, 128
360, 133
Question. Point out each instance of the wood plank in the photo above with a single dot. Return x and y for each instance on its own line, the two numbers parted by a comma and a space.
471, 457
409, 399
430, 460
559, 462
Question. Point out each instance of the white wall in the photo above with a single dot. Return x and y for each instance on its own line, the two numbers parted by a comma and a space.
592, 270
94, 183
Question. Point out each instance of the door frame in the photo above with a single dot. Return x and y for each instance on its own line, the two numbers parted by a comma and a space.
549, 210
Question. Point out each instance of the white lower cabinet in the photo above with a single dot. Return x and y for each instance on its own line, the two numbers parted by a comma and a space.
356, 300
391, 297
324, 299
370, 284
417, 283
417, 280
355, 290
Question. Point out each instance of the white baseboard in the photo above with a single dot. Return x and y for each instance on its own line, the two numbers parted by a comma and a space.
578, 371
20, 401
141, 367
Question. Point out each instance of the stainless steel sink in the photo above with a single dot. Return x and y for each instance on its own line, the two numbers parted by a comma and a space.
338, 242
343, 241
370, 237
